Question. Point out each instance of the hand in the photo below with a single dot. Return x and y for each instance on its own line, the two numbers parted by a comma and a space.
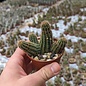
18, 69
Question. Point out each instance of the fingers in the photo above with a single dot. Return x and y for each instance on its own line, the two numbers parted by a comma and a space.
45, 73
18, 61
48, 71
19, 56
20, 52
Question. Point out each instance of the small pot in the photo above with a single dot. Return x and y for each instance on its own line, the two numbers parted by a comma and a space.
39, 64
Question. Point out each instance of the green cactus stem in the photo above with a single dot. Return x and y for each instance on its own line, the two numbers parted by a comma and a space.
46, 37
47, 43
58, 47
32, 49
33, 38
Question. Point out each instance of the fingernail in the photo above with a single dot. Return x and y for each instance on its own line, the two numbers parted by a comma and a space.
55, 68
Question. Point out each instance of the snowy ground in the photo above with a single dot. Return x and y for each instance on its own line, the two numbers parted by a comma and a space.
56, 34
3, 61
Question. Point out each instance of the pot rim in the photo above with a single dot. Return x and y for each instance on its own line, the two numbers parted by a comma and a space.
59, 56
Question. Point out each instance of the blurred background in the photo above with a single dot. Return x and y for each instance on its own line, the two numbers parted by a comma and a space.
67, 18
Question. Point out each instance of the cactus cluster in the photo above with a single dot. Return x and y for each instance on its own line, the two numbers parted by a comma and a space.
46, 43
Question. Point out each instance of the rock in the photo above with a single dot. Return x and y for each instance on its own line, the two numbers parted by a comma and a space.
55, 57
48, 59
42, 59
49, 54
36, 58
44, 56
83, 76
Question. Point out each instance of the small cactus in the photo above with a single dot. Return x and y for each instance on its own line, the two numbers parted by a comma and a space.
46, 45
32, 49
46, 37
33, 38
58, 47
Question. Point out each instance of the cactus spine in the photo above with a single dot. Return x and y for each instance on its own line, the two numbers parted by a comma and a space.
59, 46
33, 38
32, 49
46, 37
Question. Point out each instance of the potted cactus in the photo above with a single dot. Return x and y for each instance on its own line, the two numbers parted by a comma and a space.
45, 49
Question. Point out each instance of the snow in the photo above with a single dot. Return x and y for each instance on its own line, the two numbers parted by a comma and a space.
29, 21
84, 29
3, 61
83, 9
70, 50
56, 34
35, 17
73, 66
45, 10
61, 30
63, 27
3, 58
74, 38
60, 24
31, 29
82, 54
71, 83
85, 64
62, 79
52, 79
8, 10
23, 38
83, 17
74, 18
4, 37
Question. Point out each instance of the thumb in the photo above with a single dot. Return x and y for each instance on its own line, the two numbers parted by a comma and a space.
46, 73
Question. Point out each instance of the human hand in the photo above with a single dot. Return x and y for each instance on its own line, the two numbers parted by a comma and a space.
18, 69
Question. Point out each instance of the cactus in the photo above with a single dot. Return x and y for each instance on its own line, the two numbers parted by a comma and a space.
46, 45
58, 47
33, 38
32, 49
46, 37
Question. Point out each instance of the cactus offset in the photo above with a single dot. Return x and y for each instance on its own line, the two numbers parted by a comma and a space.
46, 37
32, 49
33, 38
59, 46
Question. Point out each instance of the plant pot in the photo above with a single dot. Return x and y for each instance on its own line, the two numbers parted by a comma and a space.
46, 44
72, 60
39, 64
